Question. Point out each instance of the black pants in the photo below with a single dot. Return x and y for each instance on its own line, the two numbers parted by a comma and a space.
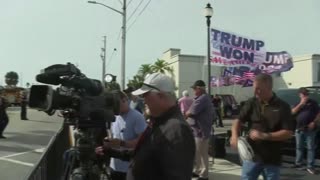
116, 175
219, 118
3, 124
23, 112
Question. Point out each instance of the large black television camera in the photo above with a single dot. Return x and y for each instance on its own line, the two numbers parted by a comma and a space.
82, 101
84, 104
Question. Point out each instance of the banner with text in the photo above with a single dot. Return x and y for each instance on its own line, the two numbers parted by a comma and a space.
232, 50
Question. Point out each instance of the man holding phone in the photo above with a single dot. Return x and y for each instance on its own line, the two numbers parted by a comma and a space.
126, 130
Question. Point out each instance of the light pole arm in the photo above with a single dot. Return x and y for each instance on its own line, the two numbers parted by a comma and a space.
94, 2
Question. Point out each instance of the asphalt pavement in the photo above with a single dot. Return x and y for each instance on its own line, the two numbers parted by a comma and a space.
25, 143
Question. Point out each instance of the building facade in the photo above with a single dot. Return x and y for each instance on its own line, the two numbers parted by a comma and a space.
187, 69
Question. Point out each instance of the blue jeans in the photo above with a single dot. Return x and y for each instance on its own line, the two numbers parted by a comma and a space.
252, 170
309, 138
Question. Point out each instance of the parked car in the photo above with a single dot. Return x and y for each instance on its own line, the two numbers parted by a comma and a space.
291, 96
230, 105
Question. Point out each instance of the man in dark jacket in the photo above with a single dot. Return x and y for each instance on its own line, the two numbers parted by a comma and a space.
24, 102
4, 119
166, 149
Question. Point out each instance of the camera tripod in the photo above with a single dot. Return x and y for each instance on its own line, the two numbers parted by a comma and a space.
80, 161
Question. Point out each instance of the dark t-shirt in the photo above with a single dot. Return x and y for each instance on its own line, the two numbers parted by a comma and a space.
216, 102
307, 113
270, 117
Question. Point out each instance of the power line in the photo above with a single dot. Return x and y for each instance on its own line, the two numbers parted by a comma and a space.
135, 10
144, 8
120, 2
129, 3
110, 59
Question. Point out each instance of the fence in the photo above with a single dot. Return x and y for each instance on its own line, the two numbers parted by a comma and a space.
50, 166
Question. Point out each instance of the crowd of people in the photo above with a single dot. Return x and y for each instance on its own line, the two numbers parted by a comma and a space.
173, 144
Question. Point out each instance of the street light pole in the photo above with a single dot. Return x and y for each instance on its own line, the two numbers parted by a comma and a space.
123, 43
208, 14
123, 49
103, 57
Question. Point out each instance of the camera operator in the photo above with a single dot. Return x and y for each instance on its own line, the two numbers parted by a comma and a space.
126, 131
24, 102
166, 149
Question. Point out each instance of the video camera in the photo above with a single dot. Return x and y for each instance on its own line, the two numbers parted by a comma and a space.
82, 100
83, 103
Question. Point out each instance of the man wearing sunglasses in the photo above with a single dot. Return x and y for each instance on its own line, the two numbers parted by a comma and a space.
166, 149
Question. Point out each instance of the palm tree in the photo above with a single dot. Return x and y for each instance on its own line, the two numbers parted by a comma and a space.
145, 69
162, 66
136, 82
12, 78
112, 86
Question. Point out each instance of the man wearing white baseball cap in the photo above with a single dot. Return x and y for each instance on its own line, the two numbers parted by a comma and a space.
166, 149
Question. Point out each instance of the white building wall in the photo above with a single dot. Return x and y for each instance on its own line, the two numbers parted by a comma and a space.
301, 73
187, 69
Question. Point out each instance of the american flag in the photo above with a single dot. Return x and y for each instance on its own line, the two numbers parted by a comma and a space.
237, 78
249, 75
220, 82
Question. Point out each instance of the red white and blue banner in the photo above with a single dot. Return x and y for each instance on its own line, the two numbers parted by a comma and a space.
233, 50
244, 58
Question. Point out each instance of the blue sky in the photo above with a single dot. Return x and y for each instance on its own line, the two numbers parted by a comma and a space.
37, 33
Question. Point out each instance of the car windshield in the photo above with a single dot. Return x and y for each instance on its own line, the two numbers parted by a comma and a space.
291, 96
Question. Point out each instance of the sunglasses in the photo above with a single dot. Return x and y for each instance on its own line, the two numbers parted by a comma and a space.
152, 87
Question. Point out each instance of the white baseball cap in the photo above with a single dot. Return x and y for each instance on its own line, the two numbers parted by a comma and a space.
156, 81
245, 150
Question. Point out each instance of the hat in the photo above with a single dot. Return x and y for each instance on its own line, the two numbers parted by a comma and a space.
156, 81
198, 83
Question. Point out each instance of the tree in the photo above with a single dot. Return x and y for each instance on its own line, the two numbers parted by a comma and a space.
136, 82
162, 66
111, 86
12, 78
145, 69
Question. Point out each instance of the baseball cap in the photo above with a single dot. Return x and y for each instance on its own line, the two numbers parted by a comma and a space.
156, 81
198, 83
244, 149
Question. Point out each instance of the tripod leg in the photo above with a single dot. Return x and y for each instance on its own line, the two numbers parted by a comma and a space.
70, 158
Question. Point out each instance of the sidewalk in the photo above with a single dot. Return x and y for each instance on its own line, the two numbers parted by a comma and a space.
224, 169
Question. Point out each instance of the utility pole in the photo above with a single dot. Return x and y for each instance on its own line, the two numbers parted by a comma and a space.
123, 41
123, 54
103, 58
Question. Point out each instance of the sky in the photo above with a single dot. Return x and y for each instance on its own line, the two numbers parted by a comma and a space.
35, 34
